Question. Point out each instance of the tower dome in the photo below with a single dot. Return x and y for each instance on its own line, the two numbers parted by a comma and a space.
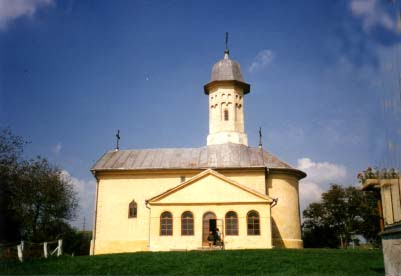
227, 70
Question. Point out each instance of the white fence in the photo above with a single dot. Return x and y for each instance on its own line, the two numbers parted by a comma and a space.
21, 248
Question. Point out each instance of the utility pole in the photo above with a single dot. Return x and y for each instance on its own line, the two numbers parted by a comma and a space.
83, 225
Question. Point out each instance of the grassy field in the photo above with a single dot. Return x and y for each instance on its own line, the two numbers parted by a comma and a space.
279, 262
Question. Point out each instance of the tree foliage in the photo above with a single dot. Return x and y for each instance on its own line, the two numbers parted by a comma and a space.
342, 213
11, 148
36, 200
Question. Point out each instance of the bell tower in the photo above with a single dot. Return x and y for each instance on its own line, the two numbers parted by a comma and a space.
226, 90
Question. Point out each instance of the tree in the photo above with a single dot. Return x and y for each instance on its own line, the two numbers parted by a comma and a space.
343, 212
42, 199
370, 216
36, 198
11, 148
315, 231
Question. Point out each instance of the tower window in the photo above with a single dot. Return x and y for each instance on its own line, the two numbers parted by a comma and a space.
225, 115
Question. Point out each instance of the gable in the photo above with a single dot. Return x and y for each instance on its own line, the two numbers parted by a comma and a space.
210, 187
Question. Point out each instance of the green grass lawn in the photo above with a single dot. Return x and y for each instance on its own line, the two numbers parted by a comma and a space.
230, 262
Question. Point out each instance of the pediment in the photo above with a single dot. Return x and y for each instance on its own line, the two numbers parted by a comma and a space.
210, 187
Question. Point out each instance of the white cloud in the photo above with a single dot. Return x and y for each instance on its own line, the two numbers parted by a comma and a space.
57, 148
13, 9
262, 59
86, 192
372, 15
309, 192
320, 176
323, 171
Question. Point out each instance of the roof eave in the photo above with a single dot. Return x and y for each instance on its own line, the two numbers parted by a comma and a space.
297, 173
245, 86
94, 170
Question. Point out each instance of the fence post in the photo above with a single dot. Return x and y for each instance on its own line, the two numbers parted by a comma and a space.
22, 245
60, 248
45, 249
20, 256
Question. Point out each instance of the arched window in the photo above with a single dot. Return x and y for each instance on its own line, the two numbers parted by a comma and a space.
187, 224
132, 209
225, 115
253, 223
231, 223
166, 224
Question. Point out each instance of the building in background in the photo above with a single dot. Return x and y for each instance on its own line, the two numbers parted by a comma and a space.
388, 184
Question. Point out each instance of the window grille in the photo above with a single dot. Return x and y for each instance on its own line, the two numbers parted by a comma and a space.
231, 224
187, 224
166, 224
253, 223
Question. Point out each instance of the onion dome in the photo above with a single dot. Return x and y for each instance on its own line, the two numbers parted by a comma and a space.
227, 71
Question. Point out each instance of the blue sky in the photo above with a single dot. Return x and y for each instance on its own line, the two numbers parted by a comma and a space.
323, 75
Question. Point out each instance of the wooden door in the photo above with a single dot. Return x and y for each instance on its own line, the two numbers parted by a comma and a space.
209, 224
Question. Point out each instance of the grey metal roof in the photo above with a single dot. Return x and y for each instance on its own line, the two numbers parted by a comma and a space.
214, 156
226, 69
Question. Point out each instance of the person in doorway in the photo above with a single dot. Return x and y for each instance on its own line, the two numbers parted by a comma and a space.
217, 237
210, 239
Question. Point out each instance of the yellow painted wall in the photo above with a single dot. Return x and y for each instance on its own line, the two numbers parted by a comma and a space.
115, 232
390, 195
208, 189
178, 242
286, 224
254, 179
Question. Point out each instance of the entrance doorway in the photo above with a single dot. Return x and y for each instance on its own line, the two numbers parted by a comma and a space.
209, 224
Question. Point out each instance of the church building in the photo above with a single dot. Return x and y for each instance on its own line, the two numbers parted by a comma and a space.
172, 198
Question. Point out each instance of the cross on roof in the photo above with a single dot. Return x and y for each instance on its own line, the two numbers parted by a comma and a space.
118, 140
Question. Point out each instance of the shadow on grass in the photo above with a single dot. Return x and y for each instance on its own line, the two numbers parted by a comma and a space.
378, 269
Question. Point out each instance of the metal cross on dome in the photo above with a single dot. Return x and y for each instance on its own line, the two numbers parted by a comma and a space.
226, 42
